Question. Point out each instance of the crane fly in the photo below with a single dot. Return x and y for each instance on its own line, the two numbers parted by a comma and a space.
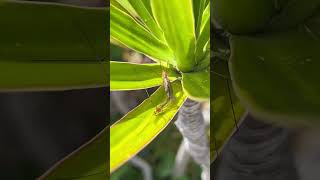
169, 93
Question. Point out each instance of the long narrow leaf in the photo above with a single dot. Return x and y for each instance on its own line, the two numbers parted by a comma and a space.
128, 76
204, 37
200, 6
127, 6
147, 18
175, 17
48, 31
36, 76
127, 31
140, 126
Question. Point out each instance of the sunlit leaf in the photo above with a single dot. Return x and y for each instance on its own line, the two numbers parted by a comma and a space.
200, 80
129, 76
147, 18
204, 37
128, 32
140, 126
175, 17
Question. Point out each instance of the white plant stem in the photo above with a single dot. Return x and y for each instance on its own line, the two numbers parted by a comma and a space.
143, 166
182, 159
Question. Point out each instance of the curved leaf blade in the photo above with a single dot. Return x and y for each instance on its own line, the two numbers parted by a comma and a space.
39, 76
198, 8
127, 6
247, 16
62, 32
200, 80
276, 74
204, 38
128, 32
140, 126
147, 18
129, 76
72, 57
175, 17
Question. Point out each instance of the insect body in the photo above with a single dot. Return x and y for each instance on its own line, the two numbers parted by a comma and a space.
169, 92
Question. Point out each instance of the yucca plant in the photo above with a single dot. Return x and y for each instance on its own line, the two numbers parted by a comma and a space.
49, 47
175, 34
269, 51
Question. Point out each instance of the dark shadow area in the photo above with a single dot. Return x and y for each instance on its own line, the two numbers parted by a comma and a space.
38, 129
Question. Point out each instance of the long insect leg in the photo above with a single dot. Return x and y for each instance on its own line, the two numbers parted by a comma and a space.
228, 82
232, 107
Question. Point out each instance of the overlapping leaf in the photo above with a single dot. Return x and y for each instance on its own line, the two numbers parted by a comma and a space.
275, 69
175, 17
276, 74
200, 80
140, 126
133, 35
47, 46
203, 41
128, 76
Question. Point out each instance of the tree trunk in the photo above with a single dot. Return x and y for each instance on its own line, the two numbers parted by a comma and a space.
191, 124
258, 151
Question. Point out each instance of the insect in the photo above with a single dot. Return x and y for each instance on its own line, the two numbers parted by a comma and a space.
169, 92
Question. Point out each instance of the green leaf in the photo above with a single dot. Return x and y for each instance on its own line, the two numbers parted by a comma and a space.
244, 16
147, 18
128, 32
47, 31
198, 8
226, 109
129, 76
205, 62
39, 75
127, 6
50, 46
276, 74
197, 85
89, 162
175, 17
140, 126
147, 5
293, 13
204, 37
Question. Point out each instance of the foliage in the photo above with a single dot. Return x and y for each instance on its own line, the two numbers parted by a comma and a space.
273, 62
161, 158
47, 46
168, 33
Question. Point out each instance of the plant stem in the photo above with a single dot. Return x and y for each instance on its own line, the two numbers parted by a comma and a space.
191, 124
181, 162
258, 151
